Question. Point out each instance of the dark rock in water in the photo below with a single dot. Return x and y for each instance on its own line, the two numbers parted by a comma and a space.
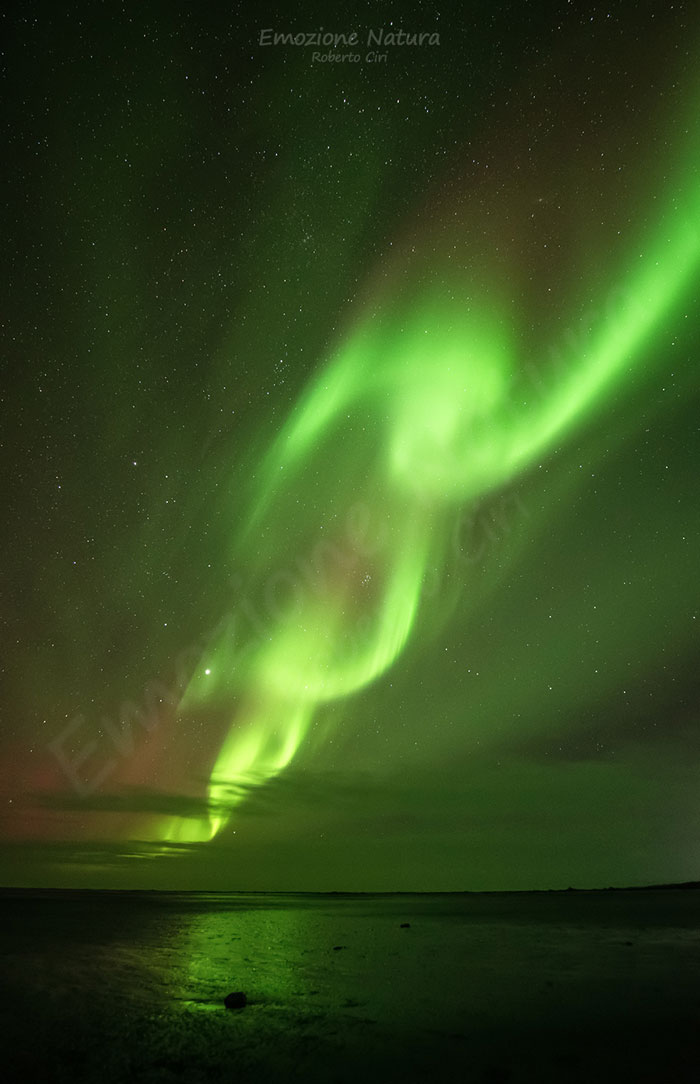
235, 1000
405, 925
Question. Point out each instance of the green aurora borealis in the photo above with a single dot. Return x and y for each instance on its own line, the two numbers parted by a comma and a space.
352, 433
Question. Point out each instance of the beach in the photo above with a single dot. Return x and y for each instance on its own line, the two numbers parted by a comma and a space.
558, 986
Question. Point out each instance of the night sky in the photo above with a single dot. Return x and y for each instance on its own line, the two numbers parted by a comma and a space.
350, 448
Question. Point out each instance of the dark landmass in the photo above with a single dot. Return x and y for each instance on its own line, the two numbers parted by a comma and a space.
204, 893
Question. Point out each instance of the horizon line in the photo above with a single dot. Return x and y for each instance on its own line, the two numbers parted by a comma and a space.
684, 885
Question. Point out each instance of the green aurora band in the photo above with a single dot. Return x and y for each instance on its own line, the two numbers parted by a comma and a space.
421, 410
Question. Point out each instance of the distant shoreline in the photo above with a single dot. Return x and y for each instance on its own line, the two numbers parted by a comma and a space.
13, 891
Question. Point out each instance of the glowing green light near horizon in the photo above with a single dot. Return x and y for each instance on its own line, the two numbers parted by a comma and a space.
447, 416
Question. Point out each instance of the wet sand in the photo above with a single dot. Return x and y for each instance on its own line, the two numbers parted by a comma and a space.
495, 988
